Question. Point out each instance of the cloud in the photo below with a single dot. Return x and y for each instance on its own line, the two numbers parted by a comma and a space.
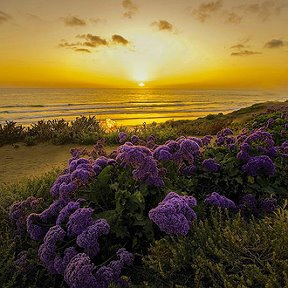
92, 40
263, 10
232, 17
4, 17
118, 39
241, 49
65, 44
82, 50
274, 43
206, 10
238, 46
162, 25
245, 53
74, 21
130, 8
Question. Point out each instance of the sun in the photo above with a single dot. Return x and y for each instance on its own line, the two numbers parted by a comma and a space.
141, 84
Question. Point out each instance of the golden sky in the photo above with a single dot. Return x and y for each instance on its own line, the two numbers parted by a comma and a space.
162, 43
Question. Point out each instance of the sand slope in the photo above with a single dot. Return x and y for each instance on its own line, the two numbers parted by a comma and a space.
27, 161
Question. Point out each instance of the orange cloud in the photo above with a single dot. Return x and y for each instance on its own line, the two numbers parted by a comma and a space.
274, 43
130, 8
74, 21
163, 25
205, 10
118, 39
4, 17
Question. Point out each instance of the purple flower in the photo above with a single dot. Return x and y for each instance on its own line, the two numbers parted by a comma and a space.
258, 165
211, 165
248, 204
102, 161
81, 175
174, 214
197, 140
206, 140
60, 263
66, 190
97, 169
216, 199
19, 211
88, 239
53, 210
220, 140
79, 272
111, 273
188, 170
286, 126
243, 156
270, 123
35, 227
64, 214
267, 205
79, 221
145, 166
135, 139
245, 147
47, 251
125, 257
122, 137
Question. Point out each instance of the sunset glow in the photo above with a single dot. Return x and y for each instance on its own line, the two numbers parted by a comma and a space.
196, 44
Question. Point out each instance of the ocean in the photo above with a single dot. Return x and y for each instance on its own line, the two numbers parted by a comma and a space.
125, 106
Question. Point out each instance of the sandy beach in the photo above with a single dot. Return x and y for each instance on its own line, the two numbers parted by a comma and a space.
32, 161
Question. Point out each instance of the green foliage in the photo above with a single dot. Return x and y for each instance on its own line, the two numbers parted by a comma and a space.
30, 140
224, 252
125, 204
10, 246
11, 132
278, 130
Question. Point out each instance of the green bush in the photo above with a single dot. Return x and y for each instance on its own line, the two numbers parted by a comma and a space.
224, 252
9, 245
11, 132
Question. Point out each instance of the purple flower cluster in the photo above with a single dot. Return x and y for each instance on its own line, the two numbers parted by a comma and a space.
174, 215
206, 140
80, 225
88, 239
211, 165
143, 164
183, 152
20, 210
78, 173
259, 165
80, 272
220, 201
224, 137
249, 205
270, 123
122, 137
47, 251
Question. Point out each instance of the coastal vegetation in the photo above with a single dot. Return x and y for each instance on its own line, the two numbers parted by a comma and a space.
88, 130
171, 206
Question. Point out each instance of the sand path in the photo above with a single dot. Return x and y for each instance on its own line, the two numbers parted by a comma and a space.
28, 161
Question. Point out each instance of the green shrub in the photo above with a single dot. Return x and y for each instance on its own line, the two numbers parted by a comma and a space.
224, 252
11, 132
9, 245
30, 140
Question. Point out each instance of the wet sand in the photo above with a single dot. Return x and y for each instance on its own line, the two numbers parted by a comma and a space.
21, 161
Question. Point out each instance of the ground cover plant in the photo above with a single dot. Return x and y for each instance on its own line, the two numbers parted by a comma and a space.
192, 211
